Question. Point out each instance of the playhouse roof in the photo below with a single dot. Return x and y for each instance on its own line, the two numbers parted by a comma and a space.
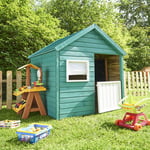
61, 43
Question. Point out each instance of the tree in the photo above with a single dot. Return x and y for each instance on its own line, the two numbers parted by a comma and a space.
137, 18
135, 12
75, 15
139, 57
24, 30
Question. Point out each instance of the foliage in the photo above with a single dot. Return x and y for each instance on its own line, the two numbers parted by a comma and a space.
75, 15
139, 57
94, 132
23, 31
135, 12
27, 26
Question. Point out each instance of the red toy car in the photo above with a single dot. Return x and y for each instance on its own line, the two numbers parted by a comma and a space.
133, 121
134, 118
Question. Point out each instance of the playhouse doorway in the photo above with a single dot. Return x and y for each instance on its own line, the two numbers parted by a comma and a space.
107, 82
107, 67
100, 68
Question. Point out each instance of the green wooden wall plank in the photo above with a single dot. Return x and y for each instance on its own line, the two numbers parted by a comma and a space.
76, 109
75, 99
75, 58
51, 100
71, 114
75, 94
76, 84
70, 53
76, 104
92, 40
75, 89
91, 45
93, 35
93, 50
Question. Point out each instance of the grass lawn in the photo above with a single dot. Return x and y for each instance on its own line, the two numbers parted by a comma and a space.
94, 132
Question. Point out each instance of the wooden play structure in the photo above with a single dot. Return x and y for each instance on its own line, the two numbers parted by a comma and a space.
73, 67
30, 95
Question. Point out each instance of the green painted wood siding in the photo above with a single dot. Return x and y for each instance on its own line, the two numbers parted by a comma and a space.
48, 64
78, 98
93, 43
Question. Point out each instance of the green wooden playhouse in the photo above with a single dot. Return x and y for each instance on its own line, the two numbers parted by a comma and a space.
71, 68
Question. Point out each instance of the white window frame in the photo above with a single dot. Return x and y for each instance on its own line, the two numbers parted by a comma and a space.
77, 61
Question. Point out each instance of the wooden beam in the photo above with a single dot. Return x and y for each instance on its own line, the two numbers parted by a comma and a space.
28, 76
18, 82
9, 89
106, 69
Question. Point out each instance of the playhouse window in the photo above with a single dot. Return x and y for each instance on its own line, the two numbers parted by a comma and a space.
77, 70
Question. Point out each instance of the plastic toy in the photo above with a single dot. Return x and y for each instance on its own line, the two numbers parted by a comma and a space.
37, 84
134, 118
10, 123
34, 132
19, 106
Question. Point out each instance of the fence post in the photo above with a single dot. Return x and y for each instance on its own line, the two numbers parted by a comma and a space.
133, 83
0, 89
9, 90
18, 82
137, 82
141, 83
148, 76
125, 83
145, 84
129, 82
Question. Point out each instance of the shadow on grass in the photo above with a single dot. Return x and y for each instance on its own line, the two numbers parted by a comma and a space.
15, 142
8, 114
110, 126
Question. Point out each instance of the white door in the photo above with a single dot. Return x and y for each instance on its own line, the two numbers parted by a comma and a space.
109, 95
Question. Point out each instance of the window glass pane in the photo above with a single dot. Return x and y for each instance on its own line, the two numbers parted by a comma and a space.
77, 68
77, 77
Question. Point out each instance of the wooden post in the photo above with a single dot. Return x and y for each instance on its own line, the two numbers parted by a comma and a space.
27, 76
0, 89
129, 83
137, 82
18, 82
106, 69
125, 83
141, 83
9, 89
41, 75
145, 84
148, 80
121, 76
133, 83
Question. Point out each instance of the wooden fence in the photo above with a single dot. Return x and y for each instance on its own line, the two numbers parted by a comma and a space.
136, 83
7, 86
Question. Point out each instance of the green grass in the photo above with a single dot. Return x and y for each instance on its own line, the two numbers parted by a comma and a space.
94, 132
